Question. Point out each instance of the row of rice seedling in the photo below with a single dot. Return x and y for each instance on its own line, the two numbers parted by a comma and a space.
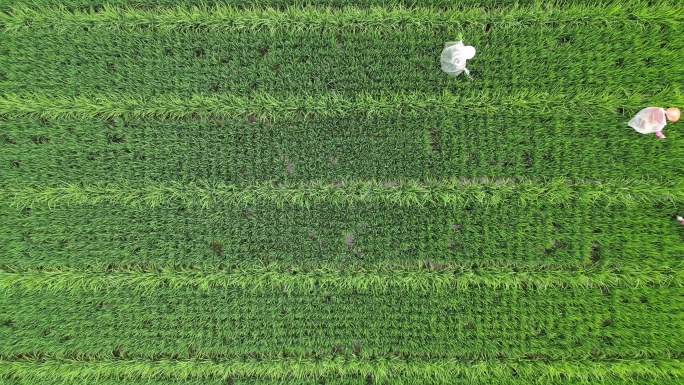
267, 108
230, 18
98, 5
471, 323
391, 149
363, 233
458, 193
259, 106
383, 371
340, 59
371, 278
219, 192
362, 380
393, 61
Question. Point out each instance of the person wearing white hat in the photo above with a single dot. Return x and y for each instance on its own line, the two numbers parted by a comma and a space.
454, 57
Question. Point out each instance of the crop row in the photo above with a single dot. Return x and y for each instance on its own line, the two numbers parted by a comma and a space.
553, 60
381, 371
267, 108
74, 5
232, 323
435, 277
360, 19
461, 193
365, 233
434, 145
666, 378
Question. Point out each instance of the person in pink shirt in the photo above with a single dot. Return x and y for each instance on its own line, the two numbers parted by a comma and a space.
653, 120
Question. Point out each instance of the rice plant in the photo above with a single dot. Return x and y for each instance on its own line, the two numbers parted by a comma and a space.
292, 192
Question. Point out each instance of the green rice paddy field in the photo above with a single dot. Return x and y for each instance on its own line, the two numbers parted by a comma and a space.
269, 191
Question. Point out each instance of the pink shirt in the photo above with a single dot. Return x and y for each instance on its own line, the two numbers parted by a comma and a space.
649, 120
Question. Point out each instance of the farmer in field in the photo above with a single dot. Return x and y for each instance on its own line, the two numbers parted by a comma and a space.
653, 120
454, 57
